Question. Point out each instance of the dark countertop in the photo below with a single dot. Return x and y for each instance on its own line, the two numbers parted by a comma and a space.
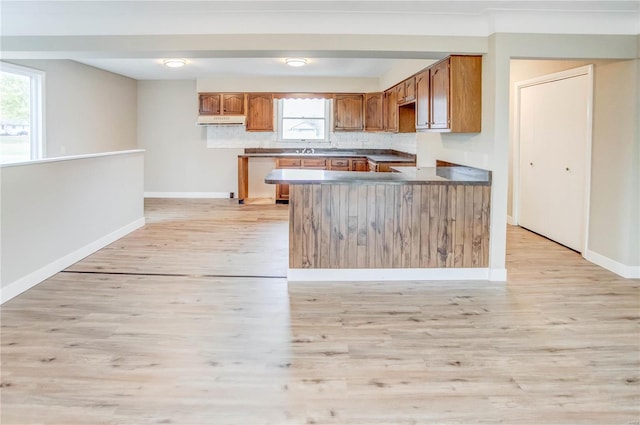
407, 175
376, 155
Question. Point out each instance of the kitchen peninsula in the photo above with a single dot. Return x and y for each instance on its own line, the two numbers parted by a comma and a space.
418, 223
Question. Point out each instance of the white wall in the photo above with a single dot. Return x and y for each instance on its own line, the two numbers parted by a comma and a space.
614, 230
87, 110
177, 160
55, 212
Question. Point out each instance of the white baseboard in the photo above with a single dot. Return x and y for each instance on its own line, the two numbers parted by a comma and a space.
32, 279
628, 272
353, 275
224, 195
510, 220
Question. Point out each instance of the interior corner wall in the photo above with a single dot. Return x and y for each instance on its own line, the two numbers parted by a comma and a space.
177, 159
87, 110
614, 225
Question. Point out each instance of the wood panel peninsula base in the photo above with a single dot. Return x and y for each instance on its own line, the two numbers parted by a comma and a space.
418, 224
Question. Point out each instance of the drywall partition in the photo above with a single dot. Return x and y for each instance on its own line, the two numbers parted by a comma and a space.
55, 212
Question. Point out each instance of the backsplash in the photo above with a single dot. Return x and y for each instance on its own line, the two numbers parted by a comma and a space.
237, 137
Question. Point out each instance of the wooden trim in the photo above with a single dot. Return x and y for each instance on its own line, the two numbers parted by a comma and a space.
303, 95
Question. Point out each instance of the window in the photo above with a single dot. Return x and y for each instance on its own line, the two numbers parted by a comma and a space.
303, 119
21, 113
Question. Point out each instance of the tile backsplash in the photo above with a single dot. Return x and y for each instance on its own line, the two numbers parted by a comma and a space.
237, 137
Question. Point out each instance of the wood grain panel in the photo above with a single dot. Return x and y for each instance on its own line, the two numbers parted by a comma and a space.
390, 226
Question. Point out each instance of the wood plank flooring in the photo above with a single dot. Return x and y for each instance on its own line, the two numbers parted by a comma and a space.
151, 330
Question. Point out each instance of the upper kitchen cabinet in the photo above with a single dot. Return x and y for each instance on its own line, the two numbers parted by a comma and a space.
422, 100
259, 112
374, 112
409, 90
233, 104
348, 112
221, 103
405, 91
456, 94
391, 107
209, 103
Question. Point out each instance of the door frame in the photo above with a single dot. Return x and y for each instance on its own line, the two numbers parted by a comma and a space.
515, 160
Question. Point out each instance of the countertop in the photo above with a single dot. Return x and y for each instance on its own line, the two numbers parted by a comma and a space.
381, 155
406, 175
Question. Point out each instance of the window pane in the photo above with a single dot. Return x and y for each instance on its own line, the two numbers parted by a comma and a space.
308, 129
303, 108
15, 117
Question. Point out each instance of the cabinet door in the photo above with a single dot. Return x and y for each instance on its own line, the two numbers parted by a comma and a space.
439, 84
422, 100
465, 94
373, 116
399, 89
259, 112
209, 103
348, 112
340, 164
392, 110
282, 190
359, 164
233, 104
409, 89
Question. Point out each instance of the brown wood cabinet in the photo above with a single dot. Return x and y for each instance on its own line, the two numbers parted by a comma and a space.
348, 112
221, 103
359, 164
209, 103
233, 104
259, 112
282, 190
456, 94
422, 100
374, 112
385, 167
391, 97
340, 164
409, 90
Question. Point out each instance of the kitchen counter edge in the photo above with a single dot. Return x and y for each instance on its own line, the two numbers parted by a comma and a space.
410, 175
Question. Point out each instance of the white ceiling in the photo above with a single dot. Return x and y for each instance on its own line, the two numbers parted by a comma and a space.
153, 69
98, 33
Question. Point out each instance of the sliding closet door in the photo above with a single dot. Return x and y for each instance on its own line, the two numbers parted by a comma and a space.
553, 124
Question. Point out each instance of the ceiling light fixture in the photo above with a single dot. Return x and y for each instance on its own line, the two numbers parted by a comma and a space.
175, 63
295, 62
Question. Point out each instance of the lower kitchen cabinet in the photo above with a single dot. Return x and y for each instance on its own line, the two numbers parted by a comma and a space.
359, 164
282, 190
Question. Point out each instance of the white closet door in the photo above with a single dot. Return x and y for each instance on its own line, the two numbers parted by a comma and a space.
553, 143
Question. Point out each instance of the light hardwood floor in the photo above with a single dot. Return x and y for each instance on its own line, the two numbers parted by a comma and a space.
152, 330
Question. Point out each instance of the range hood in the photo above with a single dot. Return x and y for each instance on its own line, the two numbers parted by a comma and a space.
221, 120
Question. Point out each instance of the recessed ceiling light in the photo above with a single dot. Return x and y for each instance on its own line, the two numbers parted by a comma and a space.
296, 62
175, 63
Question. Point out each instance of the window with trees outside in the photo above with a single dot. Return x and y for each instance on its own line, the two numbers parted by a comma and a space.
303, 119
21, 113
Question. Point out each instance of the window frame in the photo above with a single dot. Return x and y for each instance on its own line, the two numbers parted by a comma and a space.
36, 106
328, 106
